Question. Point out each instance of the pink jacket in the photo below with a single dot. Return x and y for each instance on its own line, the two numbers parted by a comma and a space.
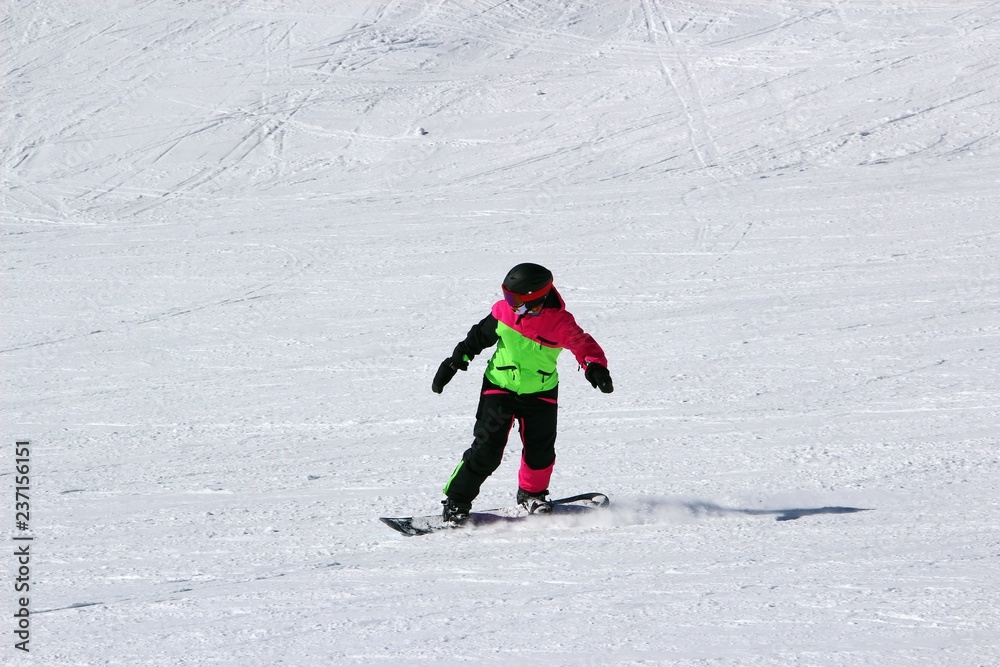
553, 327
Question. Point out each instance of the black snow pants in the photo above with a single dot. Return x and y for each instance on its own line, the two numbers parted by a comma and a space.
498, 408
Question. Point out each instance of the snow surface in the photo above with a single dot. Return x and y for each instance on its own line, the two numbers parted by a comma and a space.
239, 236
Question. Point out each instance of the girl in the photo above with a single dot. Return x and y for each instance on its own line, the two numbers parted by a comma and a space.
530, 327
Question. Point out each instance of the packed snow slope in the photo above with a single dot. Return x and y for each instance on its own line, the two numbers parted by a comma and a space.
239, 236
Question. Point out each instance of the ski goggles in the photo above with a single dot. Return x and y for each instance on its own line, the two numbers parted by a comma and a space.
522, 303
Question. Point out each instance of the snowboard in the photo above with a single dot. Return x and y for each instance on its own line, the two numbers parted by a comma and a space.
423, 525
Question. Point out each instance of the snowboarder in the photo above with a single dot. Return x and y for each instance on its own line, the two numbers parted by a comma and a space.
530, 327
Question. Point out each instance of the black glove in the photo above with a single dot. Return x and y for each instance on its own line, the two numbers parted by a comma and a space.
446, 371
598, 376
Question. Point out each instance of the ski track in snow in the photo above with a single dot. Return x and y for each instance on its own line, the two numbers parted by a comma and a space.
240, 236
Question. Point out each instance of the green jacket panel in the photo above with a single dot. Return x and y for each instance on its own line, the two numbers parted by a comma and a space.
522, 365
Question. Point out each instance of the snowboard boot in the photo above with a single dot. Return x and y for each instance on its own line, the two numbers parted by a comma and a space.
534, 503
455, 513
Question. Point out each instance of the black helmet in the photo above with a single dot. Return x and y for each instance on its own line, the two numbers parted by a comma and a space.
527, 285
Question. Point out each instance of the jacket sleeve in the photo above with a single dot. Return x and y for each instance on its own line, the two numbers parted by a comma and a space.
580, 343
480, 337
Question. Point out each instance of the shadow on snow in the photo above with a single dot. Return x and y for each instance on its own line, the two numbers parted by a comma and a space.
713, 509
